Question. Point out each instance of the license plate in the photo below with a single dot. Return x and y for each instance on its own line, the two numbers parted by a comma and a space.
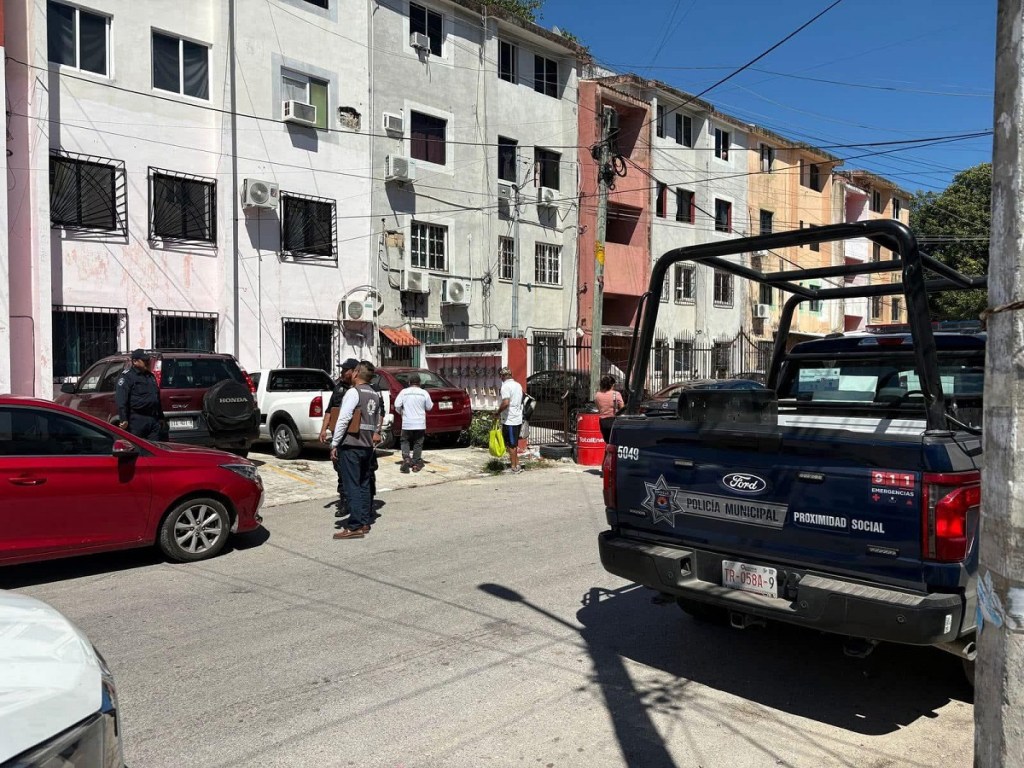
181, 424
750, 578
444, 406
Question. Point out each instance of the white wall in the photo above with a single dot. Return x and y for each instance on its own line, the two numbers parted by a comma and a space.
123, 118
463, 88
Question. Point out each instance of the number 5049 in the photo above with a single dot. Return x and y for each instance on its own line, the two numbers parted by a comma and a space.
628, 453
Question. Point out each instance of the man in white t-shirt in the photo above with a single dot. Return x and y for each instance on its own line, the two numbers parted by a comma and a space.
511, 413
413, 402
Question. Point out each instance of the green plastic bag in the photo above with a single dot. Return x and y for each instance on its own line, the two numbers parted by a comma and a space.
495, 442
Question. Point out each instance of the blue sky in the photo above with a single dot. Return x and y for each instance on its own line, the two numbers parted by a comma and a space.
928, 66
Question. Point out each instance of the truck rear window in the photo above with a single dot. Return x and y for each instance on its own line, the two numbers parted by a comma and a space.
198, 373
299, 380
881, 382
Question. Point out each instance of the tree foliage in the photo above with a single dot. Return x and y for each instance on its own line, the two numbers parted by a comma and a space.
954, 226
528, 10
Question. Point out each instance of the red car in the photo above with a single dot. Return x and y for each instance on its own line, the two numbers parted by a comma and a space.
71, 484
452, 411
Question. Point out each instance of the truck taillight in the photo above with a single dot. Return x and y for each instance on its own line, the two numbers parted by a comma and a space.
316, 407
950, 505
248, 380
157, 372
608, 476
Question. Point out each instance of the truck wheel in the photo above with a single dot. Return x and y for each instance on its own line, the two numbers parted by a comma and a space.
969, 670
702, 612
194, 530
286, 443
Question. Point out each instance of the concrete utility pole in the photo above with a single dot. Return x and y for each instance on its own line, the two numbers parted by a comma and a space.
515, 248
999, 678
603, 178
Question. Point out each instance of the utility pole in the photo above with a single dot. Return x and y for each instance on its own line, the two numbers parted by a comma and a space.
515, 249
999, 678
604, 177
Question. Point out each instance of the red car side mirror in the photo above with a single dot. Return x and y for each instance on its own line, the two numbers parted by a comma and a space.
124, 449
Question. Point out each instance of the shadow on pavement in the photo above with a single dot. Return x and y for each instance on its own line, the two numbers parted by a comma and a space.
82, 566
786, 668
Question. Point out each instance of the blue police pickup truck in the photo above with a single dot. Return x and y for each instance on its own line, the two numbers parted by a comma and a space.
844, 494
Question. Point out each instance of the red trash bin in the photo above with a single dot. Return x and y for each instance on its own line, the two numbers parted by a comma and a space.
589, 441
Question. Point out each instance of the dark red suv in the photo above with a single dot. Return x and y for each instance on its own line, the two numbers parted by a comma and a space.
207, 397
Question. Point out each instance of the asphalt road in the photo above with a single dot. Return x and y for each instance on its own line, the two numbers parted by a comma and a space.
476, 627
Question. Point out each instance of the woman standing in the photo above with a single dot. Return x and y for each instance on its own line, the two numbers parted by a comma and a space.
609, 402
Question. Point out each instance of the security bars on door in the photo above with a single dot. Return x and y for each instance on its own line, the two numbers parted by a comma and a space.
309, 343
83, 335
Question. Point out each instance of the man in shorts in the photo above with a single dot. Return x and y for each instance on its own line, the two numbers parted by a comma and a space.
511, 414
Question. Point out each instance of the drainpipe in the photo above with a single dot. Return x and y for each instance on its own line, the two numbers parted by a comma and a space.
234, 184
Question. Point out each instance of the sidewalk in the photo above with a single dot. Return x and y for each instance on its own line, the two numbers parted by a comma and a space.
311, 476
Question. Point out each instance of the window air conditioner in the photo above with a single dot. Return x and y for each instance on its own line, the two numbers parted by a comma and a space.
393, 123
299, 112
505, 192
759, 254
762, 311
259, 194
399, 168
415, 281
546, 196
456, 292
419, 41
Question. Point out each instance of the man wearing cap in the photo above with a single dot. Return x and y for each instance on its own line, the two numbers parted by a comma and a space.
348, 371
511, 413
138, 400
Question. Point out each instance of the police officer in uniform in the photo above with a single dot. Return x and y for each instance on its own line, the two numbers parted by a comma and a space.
138, 400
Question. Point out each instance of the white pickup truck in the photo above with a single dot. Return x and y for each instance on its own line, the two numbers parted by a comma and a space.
292, 403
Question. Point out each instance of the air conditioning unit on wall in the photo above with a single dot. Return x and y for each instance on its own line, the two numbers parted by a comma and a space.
419, 41
260, 194
393, 123
505, 192
762, 311
298, 112
547, 196
456, 292
359, 309
399, 168
415, 281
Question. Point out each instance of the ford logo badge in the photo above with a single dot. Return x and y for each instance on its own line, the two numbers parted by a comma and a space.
744, 482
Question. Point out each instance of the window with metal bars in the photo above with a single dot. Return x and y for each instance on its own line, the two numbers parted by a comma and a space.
192, 331
88, 193
682, 357
685, 284
428, 247
308, 343
182, 207
723, 288
309, 228
506, 258
429, 334
548, 351
83, 335
548, 264
721, 353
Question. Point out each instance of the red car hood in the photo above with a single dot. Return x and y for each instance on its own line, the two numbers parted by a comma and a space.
197, 451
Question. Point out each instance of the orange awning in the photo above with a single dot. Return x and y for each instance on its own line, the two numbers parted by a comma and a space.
400, 337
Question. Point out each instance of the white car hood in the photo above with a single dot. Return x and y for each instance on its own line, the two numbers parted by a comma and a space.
49, 674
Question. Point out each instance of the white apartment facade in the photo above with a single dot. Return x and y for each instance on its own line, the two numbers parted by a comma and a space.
159, 197
478, 112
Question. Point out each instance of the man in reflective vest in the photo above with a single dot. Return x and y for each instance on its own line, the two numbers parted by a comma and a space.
355, 436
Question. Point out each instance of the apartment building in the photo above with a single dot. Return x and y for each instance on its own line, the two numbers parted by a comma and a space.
185, 175
860, 195
791, 187
476, 190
